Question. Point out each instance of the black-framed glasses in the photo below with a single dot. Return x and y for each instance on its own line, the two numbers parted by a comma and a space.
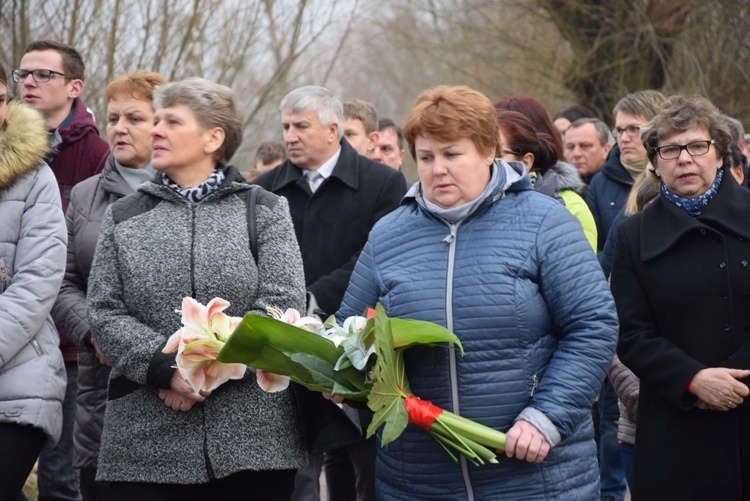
511, 152
694, 149
630, 130
39, 76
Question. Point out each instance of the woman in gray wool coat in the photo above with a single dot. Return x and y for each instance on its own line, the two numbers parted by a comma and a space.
186, 234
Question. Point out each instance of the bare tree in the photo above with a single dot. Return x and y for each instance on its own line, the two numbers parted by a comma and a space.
260, 48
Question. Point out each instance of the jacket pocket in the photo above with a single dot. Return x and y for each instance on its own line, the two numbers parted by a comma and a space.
31, 350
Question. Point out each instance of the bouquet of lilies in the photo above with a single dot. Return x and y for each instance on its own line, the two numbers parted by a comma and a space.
204, 331
362, 361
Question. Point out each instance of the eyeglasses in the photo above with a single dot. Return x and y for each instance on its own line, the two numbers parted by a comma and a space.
630, 130
39, 76
511, 152
694, 149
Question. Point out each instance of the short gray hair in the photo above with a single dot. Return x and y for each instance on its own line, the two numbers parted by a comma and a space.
322, 101
739, 129
602, 131
213, 105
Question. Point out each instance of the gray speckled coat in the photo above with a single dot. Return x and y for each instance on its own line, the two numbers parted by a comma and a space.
163, 249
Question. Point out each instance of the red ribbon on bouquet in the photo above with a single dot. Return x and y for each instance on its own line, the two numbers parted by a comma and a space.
421, 412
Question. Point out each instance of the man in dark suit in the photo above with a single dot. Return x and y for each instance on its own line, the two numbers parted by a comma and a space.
335, 197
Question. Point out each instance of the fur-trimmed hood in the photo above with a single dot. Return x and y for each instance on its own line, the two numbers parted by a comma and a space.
23, 142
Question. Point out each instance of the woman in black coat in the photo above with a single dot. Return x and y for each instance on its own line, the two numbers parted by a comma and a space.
681, 282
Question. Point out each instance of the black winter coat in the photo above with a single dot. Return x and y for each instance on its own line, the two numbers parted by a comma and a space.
682, 288
332, 224
607, 194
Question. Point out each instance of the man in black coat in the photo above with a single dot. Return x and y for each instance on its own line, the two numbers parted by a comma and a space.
335, 197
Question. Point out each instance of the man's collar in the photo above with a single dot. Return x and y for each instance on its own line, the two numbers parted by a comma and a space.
326, 169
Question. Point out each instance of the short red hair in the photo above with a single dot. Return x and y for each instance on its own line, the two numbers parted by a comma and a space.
447, 113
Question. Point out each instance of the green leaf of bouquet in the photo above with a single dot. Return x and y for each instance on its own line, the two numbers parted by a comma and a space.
256, 331
386, 396
407, 332
395, 424
322, 372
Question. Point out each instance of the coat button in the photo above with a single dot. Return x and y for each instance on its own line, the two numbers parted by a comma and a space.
703, 232
727, 327
725, 296
13, 412
722, 265
743, 263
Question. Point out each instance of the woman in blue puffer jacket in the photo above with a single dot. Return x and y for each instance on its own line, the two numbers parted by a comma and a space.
474, 248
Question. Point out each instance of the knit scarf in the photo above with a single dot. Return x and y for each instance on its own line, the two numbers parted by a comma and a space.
694, 206
198, 193
135, 176
635, 168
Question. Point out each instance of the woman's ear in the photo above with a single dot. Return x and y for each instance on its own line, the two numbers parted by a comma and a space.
214, 140
528, 161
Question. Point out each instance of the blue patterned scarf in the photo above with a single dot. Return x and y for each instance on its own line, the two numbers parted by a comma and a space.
694, 206
198, 193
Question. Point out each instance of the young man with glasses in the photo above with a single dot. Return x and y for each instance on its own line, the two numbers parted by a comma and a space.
606, 197
50, 80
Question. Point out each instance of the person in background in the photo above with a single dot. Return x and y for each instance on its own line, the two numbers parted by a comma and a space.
646, 188
741, 143
32, 263
680, 281
586, 142
520, 142
361, 126
475, 249
130, 118
570, 114
606, 196
50, 79
268, 155
185, 234
609, 187
389, 146
336, 196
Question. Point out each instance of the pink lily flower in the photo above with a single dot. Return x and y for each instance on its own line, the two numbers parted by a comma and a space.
204, 332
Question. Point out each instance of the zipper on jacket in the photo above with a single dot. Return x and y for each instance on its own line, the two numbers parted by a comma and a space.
451, 241
37, 347
3, 278
534, 384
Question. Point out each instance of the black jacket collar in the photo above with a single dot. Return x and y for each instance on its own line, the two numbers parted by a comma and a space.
663, 224
345, 170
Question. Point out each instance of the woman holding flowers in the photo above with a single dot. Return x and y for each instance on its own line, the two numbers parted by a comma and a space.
680, 279
474, 248
185, 234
